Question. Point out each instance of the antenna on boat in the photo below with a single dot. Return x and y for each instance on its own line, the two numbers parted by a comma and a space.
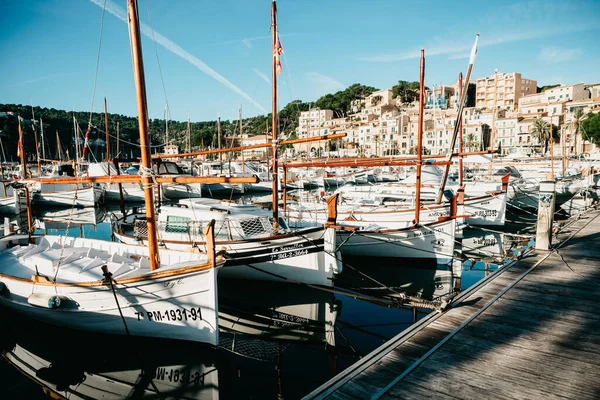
146, 165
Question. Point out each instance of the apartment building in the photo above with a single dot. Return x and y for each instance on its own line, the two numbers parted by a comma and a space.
440, 97
503, 90
559, 94
311, 122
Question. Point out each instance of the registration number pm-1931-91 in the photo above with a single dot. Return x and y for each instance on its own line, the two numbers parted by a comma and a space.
174, 314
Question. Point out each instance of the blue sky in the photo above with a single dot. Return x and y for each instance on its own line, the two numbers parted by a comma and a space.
216, 54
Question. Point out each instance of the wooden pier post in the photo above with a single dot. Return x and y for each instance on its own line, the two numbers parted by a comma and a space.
543, 237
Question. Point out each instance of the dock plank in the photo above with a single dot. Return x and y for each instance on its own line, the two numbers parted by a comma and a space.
539, 339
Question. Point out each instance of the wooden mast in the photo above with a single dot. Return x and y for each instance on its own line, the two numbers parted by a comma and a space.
219, 144
189, 135
274, 109
24, 176
21, 150
117, 140
140, 86
107, 144
242, 140
37, 146
460, 133
420, 138
42, 139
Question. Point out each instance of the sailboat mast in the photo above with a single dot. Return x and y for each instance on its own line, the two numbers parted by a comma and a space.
58, 157
37, 147
420, 138
140, 87
189, 136
107, 137
166, 124
457, 124
460, 133
118, 151
219, 143
274, 109
241, 139
42, 138
21, 151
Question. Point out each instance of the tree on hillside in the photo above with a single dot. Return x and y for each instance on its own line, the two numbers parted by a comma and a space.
341, 102
590, 127
407, 91
546, 87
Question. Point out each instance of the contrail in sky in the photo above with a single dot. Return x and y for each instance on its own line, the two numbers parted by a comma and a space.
172, 47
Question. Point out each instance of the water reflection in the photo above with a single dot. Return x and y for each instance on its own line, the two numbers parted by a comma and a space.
276, 340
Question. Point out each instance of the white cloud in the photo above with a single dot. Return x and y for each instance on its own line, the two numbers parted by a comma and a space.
175, 49
554, 54
325, 83
262, 76
451, 47
539, 18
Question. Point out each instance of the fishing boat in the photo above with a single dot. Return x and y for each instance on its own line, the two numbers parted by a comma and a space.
66, 281
114, 288
255, 246
133, 192
486, 210
65, 194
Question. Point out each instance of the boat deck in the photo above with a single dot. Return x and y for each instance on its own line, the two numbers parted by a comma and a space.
531, 330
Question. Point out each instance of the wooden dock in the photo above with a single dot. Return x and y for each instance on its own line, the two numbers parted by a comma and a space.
528, 331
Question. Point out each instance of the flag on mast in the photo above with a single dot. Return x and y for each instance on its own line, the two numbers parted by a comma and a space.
19, 143
85, 143
277, 52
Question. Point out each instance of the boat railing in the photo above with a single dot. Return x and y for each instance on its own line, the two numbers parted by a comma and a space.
227, 229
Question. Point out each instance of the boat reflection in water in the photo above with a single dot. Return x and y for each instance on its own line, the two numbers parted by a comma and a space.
424, 279
276, 340
70, 364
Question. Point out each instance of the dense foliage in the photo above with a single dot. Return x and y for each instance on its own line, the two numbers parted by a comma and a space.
59, 123
590, 128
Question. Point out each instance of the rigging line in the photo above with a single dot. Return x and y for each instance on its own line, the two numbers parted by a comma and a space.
120, 139
129, 334
157, 59
97, 62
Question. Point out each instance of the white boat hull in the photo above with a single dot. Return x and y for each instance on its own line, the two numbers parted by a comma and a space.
158, 304
487, 210
395, 247
307, 256
81, 197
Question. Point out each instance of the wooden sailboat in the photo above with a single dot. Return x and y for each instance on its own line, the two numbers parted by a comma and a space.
114, 288
433, 240
257, 246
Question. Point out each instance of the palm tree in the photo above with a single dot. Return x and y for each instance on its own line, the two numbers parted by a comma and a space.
542, 131
470, 141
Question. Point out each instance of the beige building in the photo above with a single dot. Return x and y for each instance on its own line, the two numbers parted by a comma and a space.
502, 90
312, 121
559, 94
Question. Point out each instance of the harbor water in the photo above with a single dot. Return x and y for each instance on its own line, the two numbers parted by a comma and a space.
277, 340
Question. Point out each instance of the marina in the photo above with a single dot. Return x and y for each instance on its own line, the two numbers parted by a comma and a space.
502, 338
419, 241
